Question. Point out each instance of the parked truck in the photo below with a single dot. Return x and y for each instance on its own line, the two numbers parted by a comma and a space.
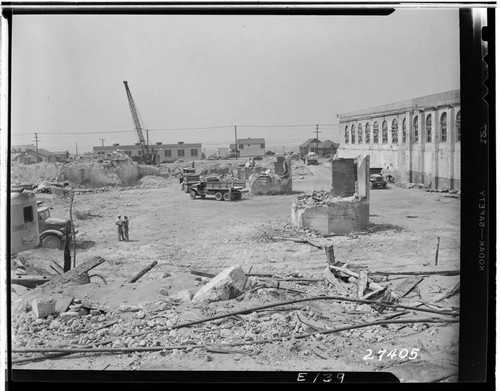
221, 190
377, 180
52, 229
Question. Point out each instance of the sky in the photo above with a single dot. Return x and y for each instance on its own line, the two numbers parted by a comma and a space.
195, 77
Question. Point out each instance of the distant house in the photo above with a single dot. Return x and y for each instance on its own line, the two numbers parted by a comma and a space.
310, 145
27, 154
322, 148
328, 147
249, 147
32, 156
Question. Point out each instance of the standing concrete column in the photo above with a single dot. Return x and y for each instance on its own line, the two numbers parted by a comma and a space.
408, 146
421, 141
436, 139
451, 144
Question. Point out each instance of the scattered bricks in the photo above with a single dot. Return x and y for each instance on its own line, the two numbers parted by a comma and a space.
225, 286
67, 316
43, 307
185, 295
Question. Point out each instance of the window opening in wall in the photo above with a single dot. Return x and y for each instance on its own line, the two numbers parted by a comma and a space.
346, 135
360, 134
180, 152
353, 135
428, 128
394, 129
384, 132
403, 128
444, 128
457, 125
415, 128
194, 152
375, 132
168, 153
367, 133
28, 214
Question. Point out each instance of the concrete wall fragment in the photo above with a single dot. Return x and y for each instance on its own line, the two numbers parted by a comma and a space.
225, 286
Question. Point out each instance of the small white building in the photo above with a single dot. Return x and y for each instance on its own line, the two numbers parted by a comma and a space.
250, 147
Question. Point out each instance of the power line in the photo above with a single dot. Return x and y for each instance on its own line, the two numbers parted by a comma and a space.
181, 129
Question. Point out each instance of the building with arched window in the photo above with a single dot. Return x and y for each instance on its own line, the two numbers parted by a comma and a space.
422, 146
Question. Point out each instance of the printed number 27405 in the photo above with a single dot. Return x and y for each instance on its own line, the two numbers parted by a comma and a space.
403, 353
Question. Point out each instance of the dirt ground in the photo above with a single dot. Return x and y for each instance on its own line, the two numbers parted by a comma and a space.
208, 235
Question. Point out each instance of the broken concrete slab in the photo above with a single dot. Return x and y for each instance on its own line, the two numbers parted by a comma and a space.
43, 307
340, 216
67, 316
185, 295
225, 286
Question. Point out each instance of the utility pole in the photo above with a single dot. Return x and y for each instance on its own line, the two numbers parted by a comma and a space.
236, 141
317, 131
36, 164
102, 141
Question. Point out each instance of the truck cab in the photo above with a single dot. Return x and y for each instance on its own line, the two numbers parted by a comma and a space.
377, 180
52, 229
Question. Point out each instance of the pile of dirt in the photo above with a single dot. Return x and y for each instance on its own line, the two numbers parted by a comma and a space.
301, 171
152, 181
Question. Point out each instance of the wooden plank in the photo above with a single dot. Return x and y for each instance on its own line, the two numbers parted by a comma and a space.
421, 273
362, 283
407, 286
76, 276
30, 281
332, 280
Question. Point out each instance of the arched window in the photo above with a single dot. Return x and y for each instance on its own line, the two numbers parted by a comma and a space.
367, 133
353, 135
360, 134
457, 125
346, 135
444, 128
428, 128
375, 132
415, 128
404, 130
384, 132
394, 129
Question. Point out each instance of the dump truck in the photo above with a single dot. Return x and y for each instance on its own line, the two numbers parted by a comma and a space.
188, 177
24, 234
221, 190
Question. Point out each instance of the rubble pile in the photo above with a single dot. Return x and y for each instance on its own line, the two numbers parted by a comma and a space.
300, 314
321, 197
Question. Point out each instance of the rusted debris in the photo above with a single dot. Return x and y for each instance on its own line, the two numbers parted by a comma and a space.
437, 253
142, 272
30, 281
56, 267
419, 273
371, 285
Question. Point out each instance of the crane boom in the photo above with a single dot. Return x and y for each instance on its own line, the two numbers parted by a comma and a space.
137, 123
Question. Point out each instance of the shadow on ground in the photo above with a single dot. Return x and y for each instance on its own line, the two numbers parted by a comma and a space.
384, 227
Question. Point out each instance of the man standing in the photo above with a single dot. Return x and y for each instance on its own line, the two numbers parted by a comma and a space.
125, 227
119, 223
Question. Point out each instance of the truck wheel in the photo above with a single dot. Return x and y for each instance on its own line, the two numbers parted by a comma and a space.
237, 195
192, 194
203, 196
51, 241
218, 196
227, 196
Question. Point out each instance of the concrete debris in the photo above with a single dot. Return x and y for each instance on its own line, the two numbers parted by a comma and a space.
321, 197
225, 286
43, 307
185, 295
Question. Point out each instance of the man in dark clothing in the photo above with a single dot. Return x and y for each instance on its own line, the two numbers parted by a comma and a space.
119, 223
125, 227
